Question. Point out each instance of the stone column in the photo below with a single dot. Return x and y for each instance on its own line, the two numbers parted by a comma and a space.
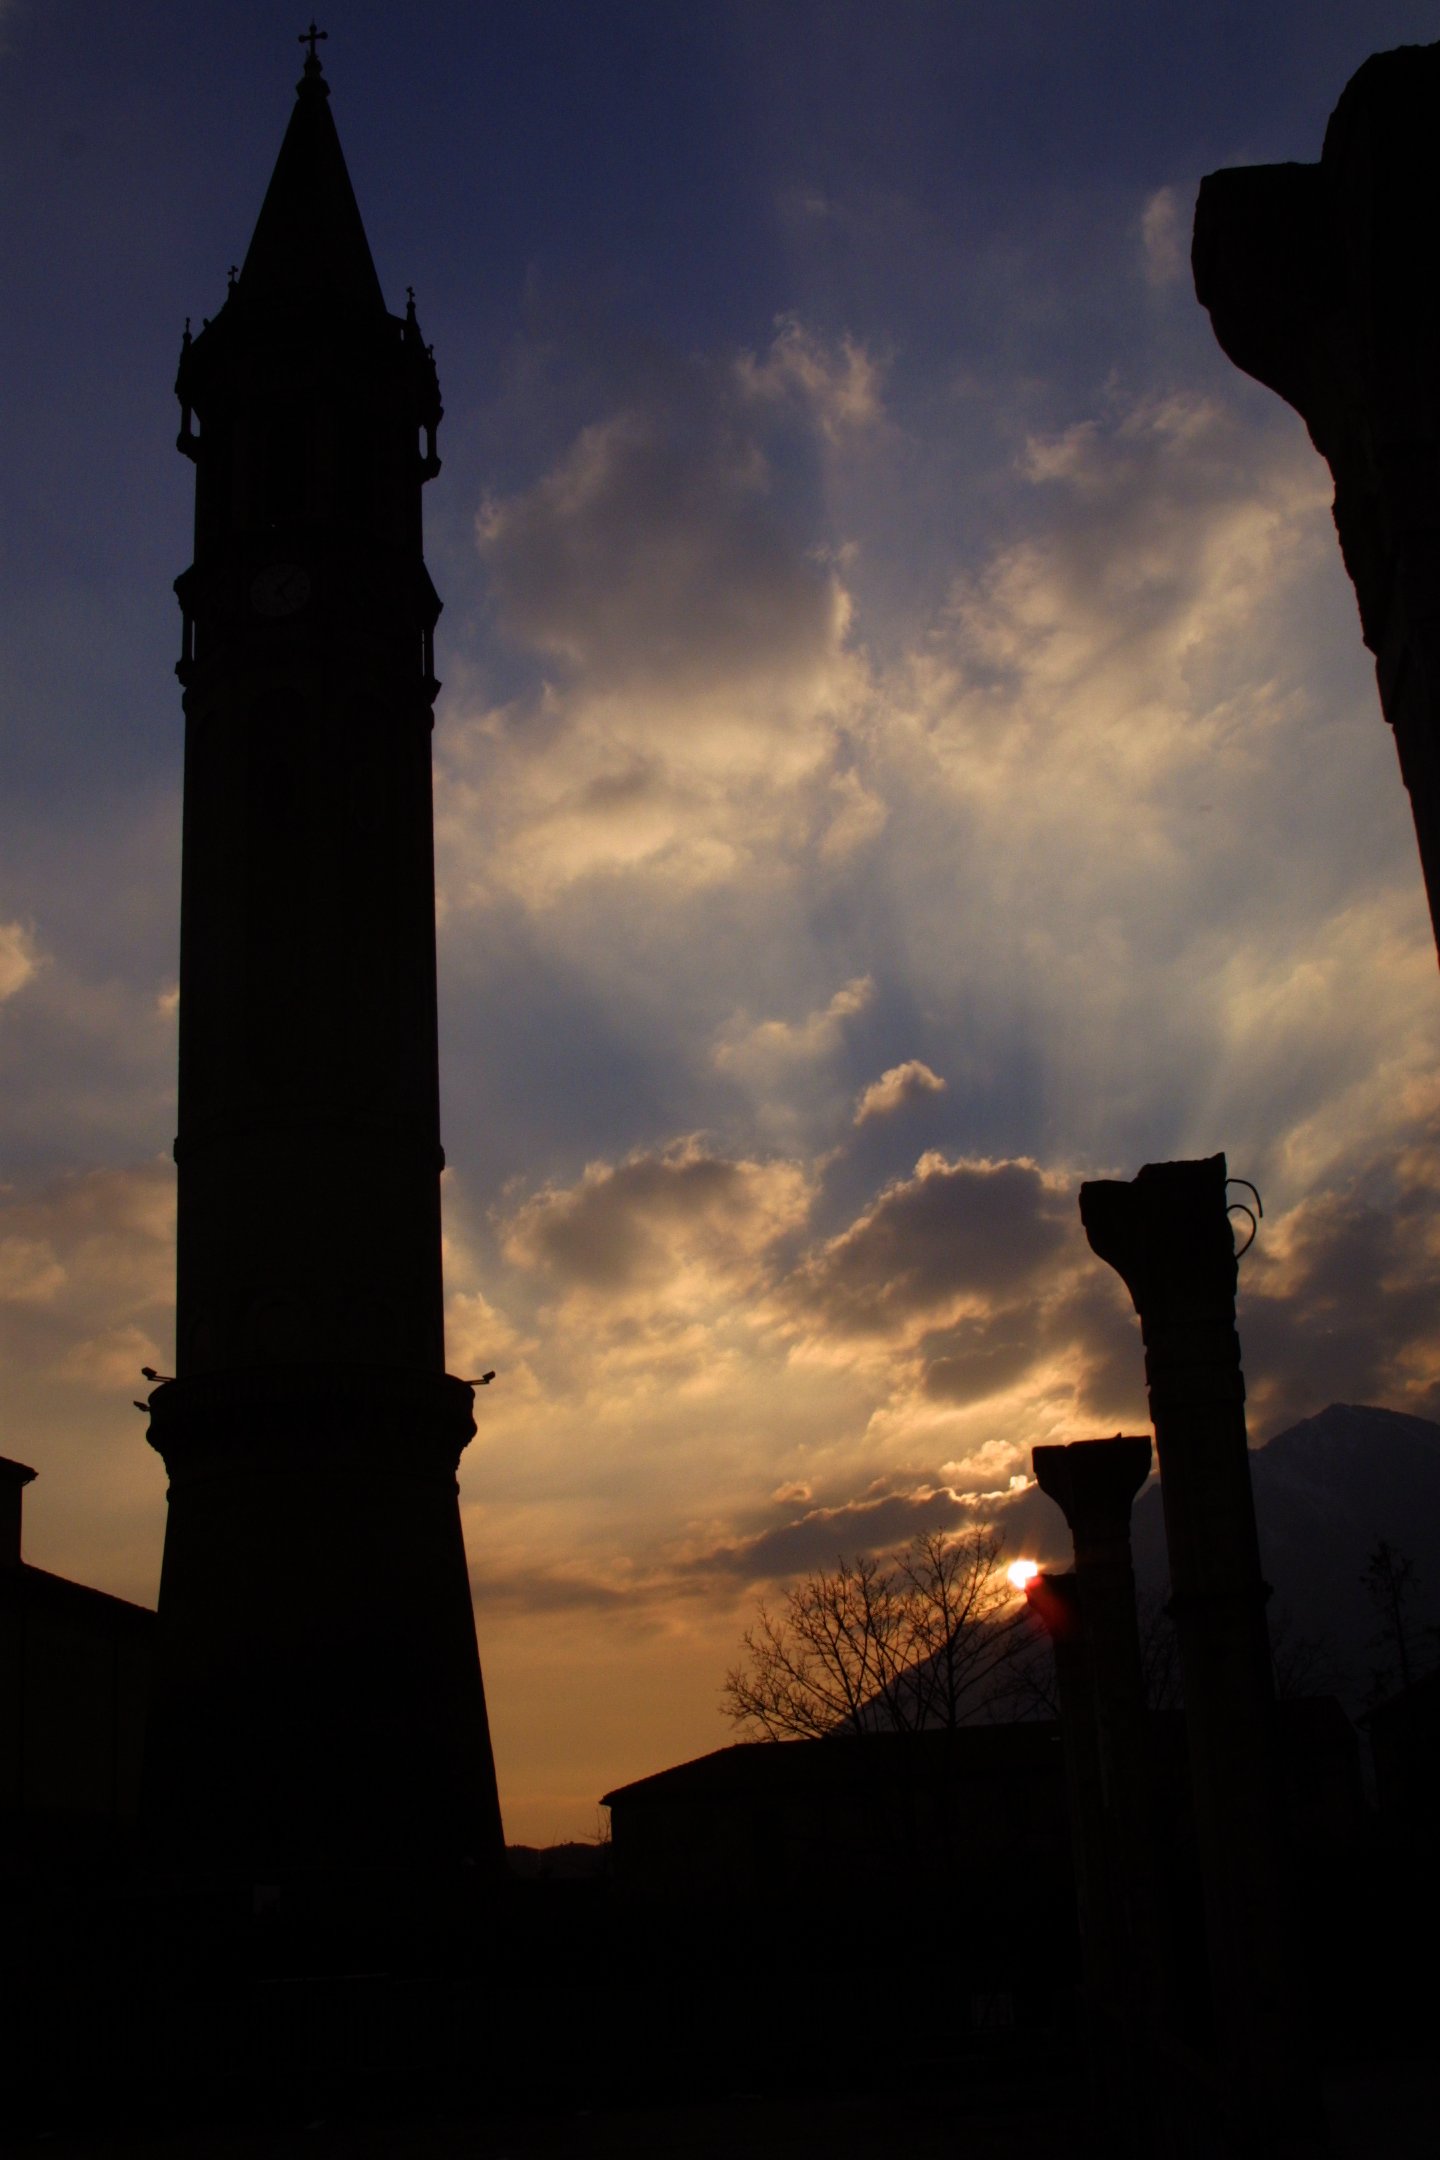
1323, 282
1168, 1236
1055, 1600
1094, 1483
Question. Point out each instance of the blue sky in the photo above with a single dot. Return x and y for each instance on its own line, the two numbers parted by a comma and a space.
906, 746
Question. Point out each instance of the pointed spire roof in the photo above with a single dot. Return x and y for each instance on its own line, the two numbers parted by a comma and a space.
309, 248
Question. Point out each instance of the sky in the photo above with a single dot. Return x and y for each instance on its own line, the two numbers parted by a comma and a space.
905, 747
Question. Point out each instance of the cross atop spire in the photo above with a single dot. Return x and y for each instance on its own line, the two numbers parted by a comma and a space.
312, 82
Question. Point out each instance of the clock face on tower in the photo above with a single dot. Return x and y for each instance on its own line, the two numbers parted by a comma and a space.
283, 589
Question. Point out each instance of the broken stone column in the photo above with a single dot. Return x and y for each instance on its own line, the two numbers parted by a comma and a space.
1323, 282
1168, 1235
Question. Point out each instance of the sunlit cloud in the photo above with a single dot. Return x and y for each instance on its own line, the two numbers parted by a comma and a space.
30, 1272
767, 1050
87, 1286
19, 958
693, 635
896, 1089
840, 384
665, 1227
1058, 882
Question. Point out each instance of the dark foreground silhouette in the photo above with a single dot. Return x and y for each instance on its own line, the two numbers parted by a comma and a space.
302, 1931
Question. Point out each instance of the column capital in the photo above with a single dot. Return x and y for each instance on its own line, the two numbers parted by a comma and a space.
1167, 1235
1093, 1483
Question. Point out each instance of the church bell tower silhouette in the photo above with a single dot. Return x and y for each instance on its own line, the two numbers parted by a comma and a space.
320, 1722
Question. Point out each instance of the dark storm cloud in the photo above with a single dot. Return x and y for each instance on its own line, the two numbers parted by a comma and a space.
953, 1231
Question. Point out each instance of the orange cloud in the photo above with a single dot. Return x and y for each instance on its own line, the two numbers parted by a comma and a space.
897, 1089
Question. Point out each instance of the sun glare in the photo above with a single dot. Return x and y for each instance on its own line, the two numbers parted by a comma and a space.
1021, 1572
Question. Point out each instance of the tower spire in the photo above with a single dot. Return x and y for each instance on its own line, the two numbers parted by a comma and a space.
309, 248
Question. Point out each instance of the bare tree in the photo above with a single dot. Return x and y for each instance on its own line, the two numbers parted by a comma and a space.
907, 1643
1391, 1582
1159, 1651
1302, 1664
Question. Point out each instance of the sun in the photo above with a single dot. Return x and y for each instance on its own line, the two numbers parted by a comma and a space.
1022, 1572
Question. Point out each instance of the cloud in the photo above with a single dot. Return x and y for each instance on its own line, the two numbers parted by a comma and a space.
114, 1359
652, 556
854, 816
956, 1234
897, 1089
1095, 774
87, 1061
884, 1522
766, 1050
1338, 1295
840, 384
479, 1337
87, 1256
30, 1272
664, 1225
680, 625
87, 1272
973, 1361
18, 958
1072, 876
1164, 238
529, 1591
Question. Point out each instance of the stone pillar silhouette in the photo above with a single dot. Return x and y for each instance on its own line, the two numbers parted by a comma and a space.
1054, 1598
320, 1727
1094, 1483
1323, 282
1168, 1235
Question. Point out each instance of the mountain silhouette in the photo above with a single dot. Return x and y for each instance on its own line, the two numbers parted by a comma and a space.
1326, 1492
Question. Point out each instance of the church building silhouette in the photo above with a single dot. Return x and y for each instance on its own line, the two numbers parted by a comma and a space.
318, 1734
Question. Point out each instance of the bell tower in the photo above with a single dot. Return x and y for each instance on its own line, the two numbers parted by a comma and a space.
320, 1715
